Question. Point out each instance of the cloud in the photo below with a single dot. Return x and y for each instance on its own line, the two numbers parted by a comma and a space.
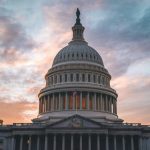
118, 30
19, 112
133, 89
12, 34
123, 32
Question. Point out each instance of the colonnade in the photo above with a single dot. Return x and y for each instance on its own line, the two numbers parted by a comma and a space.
77, 101
77, 77
77, 142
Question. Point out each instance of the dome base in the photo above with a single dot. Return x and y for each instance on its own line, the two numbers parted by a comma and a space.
97, 116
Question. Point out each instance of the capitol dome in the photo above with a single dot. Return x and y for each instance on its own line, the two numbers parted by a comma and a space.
78, 83
78, 51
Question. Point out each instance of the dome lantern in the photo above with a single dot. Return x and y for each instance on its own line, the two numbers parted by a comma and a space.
78, 29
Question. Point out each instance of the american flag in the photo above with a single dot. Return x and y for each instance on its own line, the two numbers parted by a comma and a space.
74, 93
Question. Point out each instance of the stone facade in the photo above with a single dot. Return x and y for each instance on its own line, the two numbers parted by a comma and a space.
77, 108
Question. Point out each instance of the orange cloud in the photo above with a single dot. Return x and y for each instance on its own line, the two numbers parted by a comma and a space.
18, 112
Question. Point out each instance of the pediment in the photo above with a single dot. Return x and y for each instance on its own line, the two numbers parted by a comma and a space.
76, 121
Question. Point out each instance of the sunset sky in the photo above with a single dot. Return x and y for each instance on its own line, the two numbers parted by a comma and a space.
33, 31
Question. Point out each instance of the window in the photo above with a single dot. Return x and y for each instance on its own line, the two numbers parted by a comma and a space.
60, 78
52, 80
1, 141
65, 77
77, 77
83, 77
70, 101
103, 80
84, 101
94, 78
99, 79
55, 79
89, 78
71, 77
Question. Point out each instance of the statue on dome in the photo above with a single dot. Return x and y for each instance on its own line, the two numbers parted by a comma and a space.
78, 17
78, 13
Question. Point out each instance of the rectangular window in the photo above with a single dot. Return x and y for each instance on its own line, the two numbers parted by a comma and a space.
94, 78
77, 101
71, 77
84, 101
77, 77
70, 101
83, 77
65, 77
64, 101
99, 79
90, 101
55, 79
89, 78
52, 80
60, 78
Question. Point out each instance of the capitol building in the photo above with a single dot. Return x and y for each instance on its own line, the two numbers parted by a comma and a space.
77, 107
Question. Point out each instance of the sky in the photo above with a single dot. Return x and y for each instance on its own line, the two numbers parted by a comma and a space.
33, 31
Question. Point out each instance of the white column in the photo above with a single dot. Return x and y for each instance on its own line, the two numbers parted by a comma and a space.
21, 142
98, 142
80, 100
73, 101
71, 142
39, 106
123, 142
80, 141
114, 142
63, 142
45, 102
106, 103
101, 105
110, 103
13, 142
89, 142
66, 101
94, 105
54, 143
140, 143
113, 105
38, 143
132, 143
59, 102
29, 143
88, 98
107, 146
52, 106
46, 142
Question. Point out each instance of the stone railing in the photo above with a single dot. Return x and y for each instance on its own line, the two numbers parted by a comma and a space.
78, 84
